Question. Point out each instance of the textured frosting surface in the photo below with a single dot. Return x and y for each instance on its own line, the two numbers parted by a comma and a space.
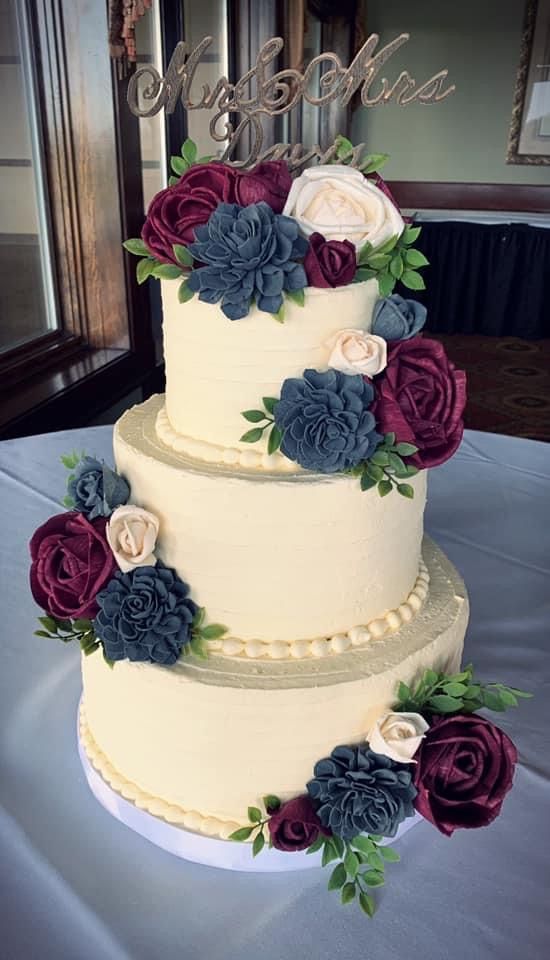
216, 368
274, 558
210, 739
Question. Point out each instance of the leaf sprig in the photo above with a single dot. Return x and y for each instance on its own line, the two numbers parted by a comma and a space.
360, 868
346, 153
201, 634
265, 420
150, 266
456, 693
386, 469
257, 823
187, 157
394, 260
80, 630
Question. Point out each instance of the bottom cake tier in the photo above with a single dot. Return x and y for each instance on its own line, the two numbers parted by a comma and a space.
199, 742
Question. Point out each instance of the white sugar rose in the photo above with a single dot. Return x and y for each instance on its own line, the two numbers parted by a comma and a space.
398, 735
354, 351
342, 204
132, 535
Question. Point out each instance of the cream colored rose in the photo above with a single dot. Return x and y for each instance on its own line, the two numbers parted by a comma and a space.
132, 535
342, 204
354, 351
398, 735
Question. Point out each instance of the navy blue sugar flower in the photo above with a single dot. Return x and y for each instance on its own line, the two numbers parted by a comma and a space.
145, 614
249, 253
95, 489
358, 791
326, 422
396, 318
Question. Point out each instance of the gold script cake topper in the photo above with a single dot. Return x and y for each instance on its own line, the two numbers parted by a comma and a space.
278, 94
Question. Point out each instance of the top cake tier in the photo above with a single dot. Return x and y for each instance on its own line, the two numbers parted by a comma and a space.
216, 368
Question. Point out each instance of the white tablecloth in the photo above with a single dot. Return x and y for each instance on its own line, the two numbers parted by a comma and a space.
77, 885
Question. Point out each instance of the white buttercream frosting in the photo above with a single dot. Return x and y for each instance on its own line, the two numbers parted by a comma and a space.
275, 558
217, 368
209, 739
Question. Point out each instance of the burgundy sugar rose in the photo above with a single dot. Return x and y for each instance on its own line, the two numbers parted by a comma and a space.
174, 213
71, 562
295, 825
329, 263
269, 181
421, 398
464, 769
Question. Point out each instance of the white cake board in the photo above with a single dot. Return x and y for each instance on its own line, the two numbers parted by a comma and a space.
196, 847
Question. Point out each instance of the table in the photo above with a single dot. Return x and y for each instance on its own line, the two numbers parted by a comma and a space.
77, 885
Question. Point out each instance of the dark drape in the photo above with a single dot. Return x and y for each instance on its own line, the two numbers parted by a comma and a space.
487, 279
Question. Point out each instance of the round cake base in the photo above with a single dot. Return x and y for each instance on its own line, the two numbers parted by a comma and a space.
210, 851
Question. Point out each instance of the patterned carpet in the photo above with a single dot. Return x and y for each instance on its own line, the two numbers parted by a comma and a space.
508, 383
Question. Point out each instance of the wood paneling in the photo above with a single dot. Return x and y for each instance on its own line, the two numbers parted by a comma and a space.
523, 198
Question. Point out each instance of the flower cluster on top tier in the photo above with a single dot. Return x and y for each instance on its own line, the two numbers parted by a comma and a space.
432, 755
95, 573
329, 227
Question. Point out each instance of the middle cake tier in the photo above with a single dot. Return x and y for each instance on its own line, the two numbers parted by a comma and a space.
276, 559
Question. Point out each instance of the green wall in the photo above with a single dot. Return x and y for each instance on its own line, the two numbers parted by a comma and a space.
464, 137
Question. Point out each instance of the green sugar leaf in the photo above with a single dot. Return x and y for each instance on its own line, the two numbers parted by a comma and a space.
403, 692
389, 854
389, 439
492, 701
280, 315
184, 292
88, 647
522, 694
198, 646
253, 416
374, 471
189, 151
337, 878
442, 703
406, 490
172, 181
415, 258
199, 618
410, 235
213, 631
376, 837
396, 266
269, 403
364, 844
395, 462
182, 255
384, 487
367, 904
344, 147
454, 688
297, 297
69, 460
386, 283
243, 833
254, 814
362, 274
144, 269
373, 878
49, 624
166, 271
405, 449
271, 802
507, 698
259, 843
42, 633
373, 162
178, 165
348, 893
137, 247
317, 844
430, 678
413, 280
329, 853
68, 502
367, 482
274, 440
388, 245
207, 158
351, 863
377, 261
381, 458
83, 626
338, 844
252, 436
375, 861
